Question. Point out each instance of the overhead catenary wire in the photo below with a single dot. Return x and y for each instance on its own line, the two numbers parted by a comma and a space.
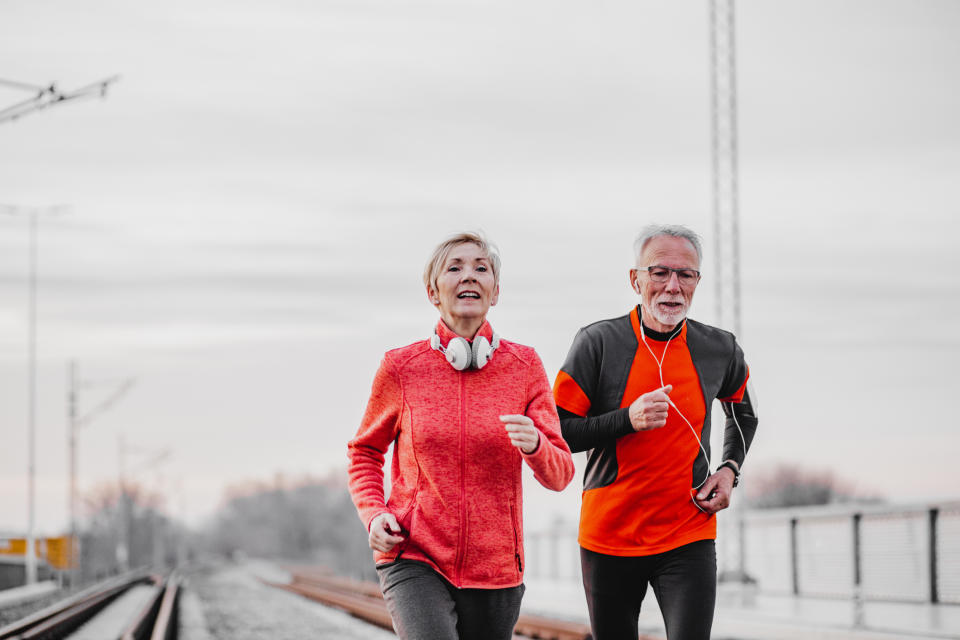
50, 95
107, 403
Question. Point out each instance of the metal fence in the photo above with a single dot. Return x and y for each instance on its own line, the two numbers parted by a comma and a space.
902, 553
899, 553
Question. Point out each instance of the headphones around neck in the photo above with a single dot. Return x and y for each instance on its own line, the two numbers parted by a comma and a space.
462, 355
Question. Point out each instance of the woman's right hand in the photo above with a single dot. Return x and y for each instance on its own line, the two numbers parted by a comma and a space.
384, 533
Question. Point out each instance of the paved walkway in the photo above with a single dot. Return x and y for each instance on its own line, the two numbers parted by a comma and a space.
740, 617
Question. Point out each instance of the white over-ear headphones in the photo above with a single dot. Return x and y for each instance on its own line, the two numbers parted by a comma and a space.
461, 355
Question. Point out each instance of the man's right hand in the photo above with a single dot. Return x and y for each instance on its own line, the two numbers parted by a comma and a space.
649, 411
384, 533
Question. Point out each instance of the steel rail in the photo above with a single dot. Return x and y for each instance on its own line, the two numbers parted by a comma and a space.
153, 622
165, 627
63, 617
364, 600
364, 587
364, 607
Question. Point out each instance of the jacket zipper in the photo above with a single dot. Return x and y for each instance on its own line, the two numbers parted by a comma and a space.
462, 542
516, 537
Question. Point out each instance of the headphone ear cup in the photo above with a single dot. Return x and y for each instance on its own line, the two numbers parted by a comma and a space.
481, 352
459, 354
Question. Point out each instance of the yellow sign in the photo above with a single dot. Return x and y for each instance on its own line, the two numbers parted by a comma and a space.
58, 552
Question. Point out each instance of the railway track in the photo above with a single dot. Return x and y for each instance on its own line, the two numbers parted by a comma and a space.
154, 618
364, 600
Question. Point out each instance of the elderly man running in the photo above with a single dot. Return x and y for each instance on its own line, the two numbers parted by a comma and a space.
635, 392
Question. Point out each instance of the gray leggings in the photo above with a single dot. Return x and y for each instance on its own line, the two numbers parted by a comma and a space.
424, 606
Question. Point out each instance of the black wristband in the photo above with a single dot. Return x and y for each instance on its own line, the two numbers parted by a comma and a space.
729, 464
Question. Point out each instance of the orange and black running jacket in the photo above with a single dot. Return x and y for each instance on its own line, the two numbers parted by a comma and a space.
638, 486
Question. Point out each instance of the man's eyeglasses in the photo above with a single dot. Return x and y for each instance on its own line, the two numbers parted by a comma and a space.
661, 274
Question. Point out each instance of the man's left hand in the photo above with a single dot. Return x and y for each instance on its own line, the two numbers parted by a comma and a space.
720, 487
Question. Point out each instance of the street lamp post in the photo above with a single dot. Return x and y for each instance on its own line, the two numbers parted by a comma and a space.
33, 214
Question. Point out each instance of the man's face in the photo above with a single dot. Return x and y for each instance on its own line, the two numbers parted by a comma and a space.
665, 304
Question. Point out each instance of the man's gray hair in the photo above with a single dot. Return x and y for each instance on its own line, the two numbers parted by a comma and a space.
675, 230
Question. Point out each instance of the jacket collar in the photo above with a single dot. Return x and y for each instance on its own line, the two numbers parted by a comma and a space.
446, 334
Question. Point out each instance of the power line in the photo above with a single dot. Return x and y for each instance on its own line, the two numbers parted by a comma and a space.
50, 95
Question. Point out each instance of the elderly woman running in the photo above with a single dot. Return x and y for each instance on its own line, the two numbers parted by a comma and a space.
464, 409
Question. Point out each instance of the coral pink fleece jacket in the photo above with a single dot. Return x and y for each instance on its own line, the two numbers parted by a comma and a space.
455, 477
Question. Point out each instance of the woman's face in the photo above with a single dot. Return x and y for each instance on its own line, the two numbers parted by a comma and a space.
466, 287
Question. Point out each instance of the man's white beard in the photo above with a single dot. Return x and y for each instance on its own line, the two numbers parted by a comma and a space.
666, 318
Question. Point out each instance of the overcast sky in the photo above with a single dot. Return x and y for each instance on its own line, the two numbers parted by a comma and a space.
251, 206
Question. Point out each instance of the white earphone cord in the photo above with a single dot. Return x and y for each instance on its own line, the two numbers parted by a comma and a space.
733, 413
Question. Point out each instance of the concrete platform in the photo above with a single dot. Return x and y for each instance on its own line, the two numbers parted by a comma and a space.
16, 595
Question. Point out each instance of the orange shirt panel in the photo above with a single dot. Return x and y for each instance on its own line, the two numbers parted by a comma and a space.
569, 395
649, 509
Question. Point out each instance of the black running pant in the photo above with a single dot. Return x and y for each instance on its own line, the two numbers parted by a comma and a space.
684, 580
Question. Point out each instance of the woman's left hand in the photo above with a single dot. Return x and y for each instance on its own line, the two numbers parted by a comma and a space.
522, 432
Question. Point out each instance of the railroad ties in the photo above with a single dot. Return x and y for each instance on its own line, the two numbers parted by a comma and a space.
364, 600
154, 616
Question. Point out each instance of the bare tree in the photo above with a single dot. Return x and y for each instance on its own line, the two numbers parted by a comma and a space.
306, 520
789, 485
109, 516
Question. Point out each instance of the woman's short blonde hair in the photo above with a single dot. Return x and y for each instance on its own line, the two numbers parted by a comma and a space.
439, 256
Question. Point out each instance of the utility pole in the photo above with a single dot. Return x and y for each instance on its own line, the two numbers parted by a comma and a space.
75, 422
123, 545
159, 456
32, 214
72, 441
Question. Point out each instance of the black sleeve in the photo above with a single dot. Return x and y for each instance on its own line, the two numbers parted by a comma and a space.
589, 432
736, 374
575, 394
741, 417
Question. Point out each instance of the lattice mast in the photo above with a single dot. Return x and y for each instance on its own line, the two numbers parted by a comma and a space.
724, 155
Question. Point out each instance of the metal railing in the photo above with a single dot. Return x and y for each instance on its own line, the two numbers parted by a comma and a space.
898, 553
892, 552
